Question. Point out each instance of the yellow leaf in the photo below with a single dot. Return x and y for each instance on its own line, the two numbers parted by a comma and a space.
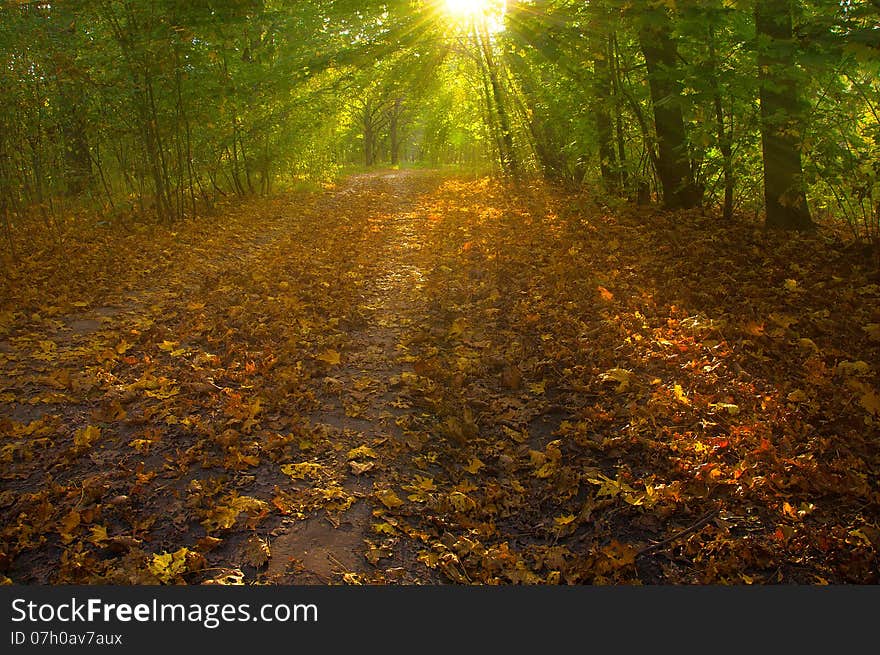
168, 345
85, 437
562, 521
384, 528
873, 331
797, 396
474, 465
870, 400
462, 502
302, 470
538, 387
159, 565
169, 566
223, 516
68, 524
680, 395
622, 376
331, 357
425, 484
361, 451
457, 328
389, 498
99, 534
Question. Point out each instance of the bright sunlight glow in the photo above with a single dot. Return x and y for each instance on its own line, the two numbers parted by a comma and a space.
468, 11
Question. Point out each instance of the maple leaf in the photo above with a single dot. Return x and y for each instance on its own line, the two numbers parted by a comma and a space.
302, 470
388, 498
68, 524
361, 451
621, 376
331, 357
99, 535
538, 388
474, 465
168, 567
257, 552
870, 401
224, 515
85, 437
461, 502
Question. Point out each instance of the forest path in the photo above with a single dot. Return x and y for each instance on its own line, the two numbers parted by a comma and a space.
361, 407
414, 378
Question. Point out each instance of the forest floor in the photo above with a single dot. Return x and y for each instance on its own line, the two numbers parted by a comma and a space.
418, 379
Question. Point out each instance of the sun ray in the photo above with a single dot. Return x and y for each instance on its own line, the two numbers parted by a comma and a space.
466, 13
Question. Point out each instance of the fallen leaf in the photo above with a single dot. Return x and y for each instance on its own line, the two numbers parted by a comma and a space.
361, 451
331, 357
257, 552
621, 376
86, 437
680, 395
302, 470
388, 498
359, 468
474, 465
870, 401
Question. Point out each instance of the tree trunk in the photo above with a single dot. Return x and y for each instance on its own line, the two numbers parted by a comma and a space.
661, 57
394, 131
781, 113
509, 163
604, 126
725, 138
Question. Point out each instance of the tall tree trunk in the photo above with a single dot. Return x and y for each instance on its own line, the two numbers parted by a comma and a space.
781, 116
661, 57
509, 163
394, 131
725, 139
614, 58
604, 126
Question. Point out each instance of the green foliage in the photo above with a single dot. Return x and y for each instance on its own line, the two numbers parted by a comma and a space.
161, 108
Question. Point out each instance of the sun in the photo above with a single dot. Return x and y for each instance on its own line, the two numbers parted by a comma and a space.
467, 12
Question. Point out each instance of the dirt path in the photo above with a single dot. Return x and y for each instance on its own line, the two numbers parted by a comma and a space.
413, 379
361, 403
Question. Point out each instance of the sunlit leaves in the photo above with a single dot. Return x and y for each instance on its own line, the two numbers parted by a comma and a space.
330, 357
226, 512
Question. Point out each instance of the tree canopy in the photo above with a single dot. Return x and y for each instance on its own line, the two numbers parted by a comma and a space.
161, 107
